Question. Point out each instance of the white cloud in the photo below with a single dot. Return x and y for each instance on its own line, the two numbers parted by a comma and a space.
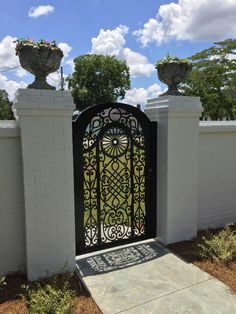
112, 42
70, 63
140, 95
8, 58
190, 20
10, 86
54, 79
21, 72
66, 59
65, 48
232, 56
138, 64
40, 10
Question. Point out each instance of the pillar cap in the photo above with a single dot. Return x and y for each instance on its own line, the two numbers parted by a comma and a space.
175, 104
37, 102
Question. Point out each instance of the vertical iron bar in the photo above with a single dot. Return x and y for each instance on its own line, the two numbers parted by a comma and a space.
99, 225
153, 183
62, 79
132, 185
78, 187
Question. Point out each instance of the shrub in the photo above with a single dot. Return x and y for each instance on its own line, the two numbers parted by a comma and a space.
49, 299
220, 247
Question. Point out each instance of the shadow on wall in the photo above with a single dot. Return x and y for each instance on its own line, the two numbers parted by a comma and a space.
120, 258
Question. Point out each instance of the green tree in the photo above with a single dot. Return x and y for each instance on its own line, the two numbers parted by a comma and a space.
98, 79
5, 106
213, 78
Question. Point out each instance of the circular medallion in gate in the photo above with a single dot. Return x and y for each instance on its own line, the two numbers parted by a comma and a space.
114, 142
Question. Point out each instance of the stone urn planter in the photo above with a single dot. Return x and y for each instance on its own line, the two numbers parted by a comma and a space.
172, 71
39, 58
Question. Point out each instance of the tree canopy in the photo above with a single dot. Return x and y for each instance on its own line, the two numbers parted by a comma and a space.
5, 106
98, 79
213, 78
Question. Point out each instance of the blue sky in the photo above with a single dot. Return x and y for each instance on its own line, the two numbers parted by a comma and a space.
139, 31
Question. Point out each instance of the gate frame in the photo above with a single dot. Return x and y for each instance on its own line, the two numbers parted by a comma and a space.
84, 119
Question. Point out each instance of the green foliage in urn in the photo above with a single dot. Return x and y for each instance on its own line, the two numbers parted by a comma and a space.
172, 59
98, 79
213, 78
21, 42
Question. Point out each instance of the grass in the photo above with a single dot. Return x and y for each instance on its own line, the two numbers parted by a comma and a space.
207, 250
56, 295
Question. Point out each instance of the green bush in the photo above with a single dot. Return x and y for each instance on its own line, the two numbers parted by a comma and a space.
220, 247
50, 300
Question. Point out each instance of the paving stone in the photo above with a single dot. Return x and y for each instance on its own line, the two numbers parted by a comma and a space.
148, 278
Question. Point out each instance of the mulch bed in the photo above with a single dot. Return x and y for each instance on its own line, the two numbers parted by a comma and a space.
190, 252
12, 300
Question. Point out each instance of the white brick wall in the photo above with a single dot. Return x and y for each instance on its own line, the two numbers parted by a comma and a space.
217, 174
177, 165
196, 185
12, 230
45, 119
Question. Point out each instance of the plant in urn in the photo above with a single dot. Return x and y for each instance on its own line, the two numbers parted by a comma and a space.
172, 71
39, 58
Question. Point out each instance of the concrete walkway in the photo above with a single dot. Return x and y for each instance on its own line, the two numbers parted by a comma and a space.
147, 278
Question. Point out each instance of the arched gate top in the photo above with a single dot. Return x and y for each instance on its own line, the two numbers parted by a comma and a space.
87, 114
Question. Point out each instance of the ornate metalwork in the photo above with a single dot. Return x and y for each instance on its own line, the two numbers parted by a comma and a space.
114, 178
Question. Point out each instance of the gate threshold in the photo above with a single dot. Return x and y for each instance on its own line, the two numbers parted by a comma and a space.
116, 248
119, 258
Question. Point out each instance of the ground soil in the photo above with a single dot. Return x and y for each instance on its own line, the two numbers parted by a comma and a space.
189, 251
12, 295
12, 298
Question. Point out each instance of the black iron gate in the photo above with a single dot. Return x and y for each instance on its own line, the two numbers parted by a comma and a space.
114, 175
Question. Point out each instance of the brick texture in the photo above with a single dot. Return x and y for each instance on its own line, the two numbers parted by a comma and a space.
12, 230
177, 165
217, 174
46, 133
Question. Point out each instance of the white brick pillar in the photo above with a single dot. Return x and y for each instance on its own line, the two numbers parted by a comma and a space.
177, 165
45, 119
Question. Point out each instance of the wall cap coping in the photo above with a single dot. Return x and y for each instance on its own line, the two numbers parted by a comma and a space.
175, 104
40, 102
42, 92
9, 128
217, 126
31, 99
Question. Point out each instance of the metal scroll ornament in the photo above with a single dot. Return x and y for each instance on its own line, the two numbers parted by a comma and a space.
114, 178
